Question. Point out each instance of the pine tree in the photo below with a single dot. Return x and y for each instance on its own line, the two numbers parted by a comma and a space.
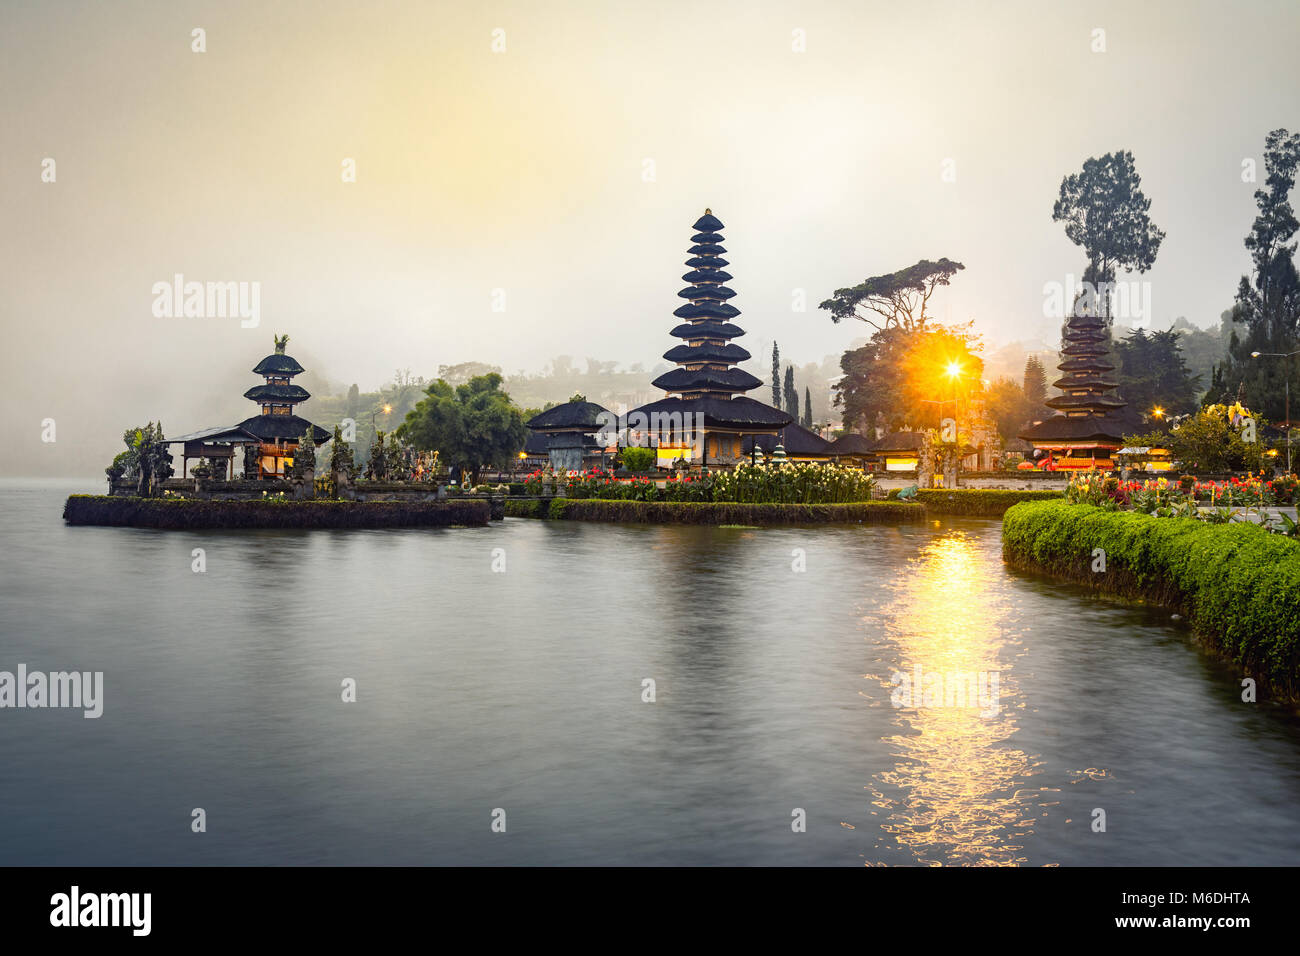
776, 376
791, 394
807, 408
1035, 381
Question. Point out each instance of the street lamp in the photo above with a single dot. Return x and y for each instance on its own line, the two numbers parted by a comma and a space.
1287, 379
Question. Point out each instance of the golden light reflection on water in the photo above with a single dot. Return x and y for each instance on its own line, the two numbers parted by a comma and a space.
956, 792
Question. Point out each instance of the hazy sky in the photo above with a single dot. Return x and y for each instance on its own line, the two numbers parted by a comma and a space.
525, 171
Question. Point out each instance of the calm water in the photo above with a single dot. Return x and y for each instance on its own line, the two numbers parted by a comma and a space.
522, 690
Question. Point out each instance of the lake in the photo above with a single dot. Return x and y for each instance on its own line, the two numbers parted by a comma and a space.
513, 679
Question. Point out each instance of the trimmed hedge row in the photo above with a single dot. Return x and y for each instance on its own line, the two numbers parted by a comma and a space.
178, 513
979, 502
712, 512
1238, 584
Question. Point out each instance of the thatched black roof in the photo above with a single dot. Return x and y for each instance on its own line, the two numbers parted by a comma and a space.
1068, 403
220, 435
715, 292
570, 415
707, 379
708, 223
1077, 429
276, 428
278, 364
278, 393
707, 330
707, 237
704, 262
898, 441
706, 310
707, 275
852, 444
738, 412
796, 440
707, 353
537, 444
706, 249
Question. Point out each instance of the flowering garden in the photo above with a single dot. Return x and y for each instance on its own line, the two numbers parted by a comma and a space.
788, 483
1187, 497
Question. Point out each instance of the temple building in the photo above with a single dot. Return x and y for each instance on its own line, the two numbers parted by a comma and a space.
1085, 434
706, 385
570, 435
269, 439
799, 444
853, 449
899, 451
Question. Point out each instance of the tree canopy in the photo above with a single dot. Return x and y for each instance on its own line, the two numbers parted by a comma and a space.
1106, 214
472, 426
1266, 313
1153, 374
899, 298
903, 378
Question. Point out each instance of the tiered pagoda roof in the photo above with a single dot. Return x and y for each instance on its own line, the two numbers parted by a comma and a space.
280, 396
706, 381
1086, 402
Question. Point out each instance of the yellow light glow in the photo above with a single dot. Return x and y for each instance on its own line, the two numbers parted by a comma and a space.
1158, 412
959, 786
954, 369
388, 409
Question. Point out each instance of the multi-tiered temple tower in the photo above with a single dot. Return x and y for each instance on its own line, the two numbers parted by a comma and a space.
1086, 434
278, 428
706, 390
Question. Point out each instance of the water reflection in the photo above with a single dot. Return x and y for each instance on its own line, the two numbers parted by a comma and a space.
956, 793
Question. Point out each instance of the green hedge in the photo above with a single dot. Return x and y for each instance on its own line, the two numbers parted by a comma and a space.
712, 512
980, 502
1238, 584
178, 513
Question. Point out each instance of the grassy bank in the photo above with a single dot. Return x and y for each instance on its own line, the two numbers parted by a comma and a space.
713, 512
178, 513
1239, 586
979, 502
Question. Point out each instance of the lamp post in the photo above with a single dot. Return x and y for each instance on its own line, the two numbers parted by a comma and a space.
1287, 380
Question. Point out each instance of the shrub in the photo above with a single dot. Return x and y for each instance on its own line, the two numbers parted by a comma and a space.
638, 459
1238, 585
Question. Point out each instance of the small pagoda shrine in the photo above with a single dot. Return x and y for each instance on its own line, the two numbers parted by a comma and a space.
571, 434
1085, 435
706, 385
269, 439
278, 428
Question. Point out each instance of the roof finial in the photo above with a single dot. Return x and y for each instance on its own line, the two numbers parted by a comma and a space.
280, 342
708, 211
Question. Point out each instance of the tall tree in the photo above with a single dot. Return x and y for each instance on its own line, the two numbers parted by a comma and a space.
1153, 375
1105, 213
1009, 406
807, 407
1034, 385
776, 376
904, 379
1266, 312
897, 299
791, 394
